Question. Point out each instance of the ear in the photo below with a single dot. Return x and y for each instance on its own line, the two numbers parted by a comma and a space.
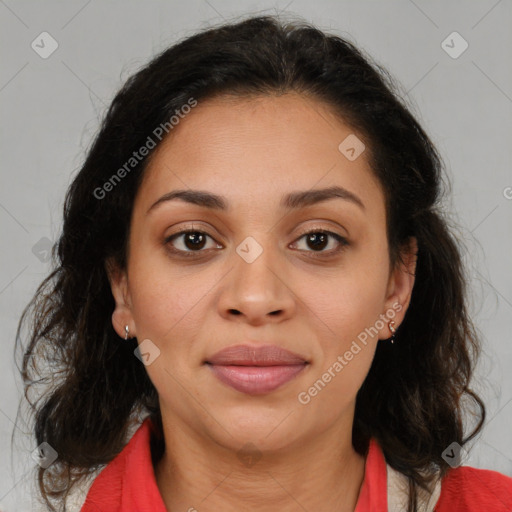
122, 315
400, 285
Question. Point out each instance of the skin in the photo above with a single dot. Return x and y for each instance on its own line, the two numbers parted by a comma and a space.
253, 152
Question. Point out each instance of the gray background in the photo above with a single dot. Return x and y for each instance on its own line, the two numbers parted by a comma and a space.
50, 110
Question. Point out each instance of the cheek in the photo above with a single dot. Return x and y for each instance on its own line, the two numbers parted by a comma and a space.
170, 304
344, 317
348, 301
160, 296
342, 311
163, 305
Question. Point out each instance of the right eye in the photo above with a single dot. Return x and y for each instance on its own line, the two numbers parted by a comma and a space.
191, 241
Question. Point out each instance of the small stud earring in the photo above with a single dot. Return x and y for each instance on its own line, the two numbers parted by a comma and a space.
391, 326
126, 332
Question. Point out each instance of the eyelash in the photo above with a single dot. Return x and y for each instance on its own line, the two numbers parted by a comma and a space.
315, 254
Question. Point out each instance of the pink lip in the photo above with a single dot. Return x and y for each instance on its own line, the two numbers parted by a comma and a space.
256, 380
256, 369
257, 355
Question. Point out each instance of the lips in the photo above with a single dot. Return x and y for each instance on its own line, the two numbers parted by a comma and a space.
262, 355
256, 370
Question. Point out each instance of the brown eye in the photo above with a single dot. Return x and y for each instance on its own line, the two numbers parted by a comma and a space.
318, 240
188, 241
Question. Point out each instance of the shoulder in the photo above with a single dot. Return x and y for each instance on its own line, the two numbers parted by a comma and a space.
106, 480
462, 489
471, 489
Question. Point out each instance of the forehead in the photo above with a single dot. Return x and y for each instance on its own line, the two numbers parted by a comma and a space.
259, 148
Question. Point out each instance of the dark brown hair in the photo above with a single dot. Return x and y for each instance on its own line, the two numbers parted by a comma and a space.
91, 384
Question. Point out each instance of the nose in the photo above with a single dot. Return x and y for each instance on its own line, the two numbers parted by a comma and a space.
257, 292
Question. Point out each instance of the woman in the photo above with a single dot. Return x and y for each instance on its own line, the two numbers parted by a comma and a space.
257, 304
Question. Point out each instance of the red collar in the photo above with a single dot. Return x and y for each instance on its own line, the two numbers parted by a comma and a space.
128, 482
373, 494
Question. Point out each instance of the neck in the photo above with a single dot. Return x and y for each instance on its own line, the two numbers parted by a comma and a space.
324, 473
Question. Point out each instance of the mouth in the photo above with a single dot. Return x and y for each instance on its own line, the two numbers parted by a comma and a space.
256, 380
256, 370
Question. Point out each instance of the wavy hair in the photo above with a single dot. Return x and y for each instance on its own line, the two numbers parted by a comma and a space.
90, 385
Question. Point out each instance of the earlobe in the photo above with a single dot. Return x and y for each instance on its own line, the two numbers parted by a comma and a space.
122, 314
401, 284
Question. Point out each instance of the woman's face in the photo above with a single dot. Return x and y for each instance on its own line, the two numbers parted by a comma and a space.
253, 278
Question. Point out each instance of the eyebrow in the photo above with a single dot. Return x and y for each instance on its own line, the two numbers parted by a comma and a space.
291, 201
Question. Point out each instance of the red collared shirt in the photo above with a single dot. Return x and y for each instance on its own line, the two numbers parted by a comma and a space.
127, 484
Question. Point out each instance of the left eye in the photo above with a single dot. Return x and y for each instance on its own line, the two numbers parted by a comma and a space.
319, 239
